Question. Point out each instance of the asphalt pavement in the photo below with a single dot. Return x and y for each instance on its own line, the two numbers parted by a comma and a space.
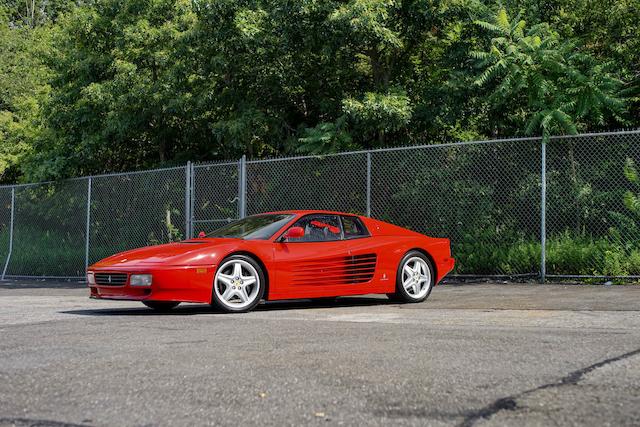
480, 354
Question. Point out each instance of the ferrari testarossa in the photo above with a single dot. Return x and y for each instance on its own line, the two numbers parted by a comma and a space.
275, 256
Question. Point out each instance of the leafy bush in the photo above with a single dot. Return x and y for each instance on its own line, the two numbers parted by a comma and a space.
566, 254
51, 253
583, 255
485, 255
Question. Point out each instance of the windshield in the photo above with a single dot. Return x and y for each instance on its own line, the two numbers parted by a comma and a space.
258, 227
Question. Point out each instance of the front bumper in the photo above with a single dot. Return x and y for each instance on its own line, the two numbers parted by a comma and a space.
170, 283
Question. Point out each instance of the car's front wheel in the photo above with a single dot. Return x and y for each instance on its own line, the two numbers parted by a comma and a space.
238, 285
415, 278
161, 305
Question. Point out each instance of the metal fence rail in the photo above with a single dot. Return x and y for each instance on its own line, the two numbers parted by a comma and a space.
511, 207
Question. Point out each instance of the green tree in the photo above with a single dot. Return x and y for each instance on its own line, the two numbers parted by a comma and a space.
141, 83
23, 89
391, 49
605, 29
542, 83
120, 94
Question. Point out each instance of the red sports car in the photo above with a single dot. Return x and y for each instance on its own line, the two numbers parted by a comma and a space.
275, 256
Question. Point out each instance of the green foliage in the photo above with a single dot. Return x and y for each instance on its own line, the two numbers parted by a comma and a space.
491, 254
23, 88
47, 253
554, 86
568, 254
90, 87
369, 21
326, 138
378, 114
605, 29
117, 97
631, 200
34, 13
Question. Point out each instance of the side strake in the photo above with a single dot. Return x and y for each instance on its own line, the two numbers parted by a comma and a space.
350, 269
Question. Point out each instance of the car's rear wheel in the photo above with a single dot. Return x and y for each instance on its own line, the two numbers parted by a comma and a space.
161, 305
415, 278
238, 285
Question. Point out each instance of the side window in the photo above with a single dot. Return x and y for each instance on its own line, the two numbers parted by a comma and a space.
353, 227
319, 228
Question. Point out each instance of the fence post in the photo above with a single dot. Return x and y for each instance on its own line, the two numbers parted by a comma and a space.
242, 186
87, 230
543, 212
368, 183
192, 198
187, 201
13, 204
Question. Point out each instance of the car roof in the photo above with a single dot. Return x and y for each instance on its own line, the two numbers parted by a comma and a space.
306, 212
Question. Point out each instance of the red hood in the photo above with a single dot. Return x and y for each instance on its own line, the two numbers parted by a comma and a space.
189, 252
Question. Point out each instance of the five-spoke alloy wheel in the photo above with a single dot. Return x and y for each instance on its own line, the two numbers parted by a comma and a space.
239, 284
415, 278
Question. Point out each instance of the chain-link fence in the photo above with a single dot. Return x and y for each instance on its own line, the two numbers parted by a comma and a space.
48, 229
484, 197
511, 207
590, 230
136, 209
215, 188
337, 182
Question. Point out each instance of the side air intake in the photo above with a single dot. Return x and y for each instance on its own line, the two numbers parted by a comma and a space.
336, 271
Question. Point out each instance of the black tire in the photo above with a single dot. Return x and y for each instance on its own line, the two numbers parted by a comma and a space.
393, 297
261, 283
162, 306
401, 295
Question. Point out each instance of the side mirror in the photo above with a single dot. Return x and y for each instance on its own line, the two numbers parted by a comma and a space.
202, 234
294, 233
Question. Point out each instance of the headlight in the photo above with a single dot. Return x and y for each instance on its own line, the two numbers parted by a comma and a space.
140, 280
91, 278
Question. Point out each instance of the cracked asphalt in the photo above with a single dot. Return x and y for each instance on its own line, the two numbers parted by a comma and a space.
479, 354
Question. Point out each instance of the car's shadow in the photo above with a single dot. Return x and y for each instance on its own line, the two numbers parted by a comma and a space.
193, 309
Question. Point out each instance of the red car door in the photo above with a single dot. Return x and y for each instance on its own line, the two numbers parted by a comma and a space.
313, 265
336, 256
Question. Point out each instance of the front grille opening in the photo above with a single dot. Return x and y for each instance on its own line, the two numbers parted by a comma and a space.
111, 279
